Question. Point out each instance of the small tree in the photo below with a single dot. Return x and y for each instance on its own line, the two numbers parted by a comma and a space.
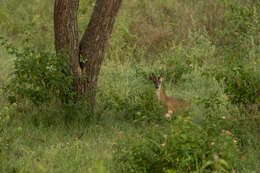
87, 55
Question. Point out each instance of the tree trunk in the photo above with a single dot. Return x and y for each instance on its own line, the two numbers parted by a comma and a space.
66, 30
66, 34
94, 42
92, 45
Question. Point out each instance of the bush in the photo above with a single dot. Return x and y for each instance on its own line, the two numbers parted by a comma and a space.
143, 106
242, 84
180, 146
238, 51
177, 64
38, 76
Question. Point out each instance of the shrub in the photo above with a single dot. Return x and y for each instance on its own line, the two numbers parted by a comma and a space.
176, 65
143, 106
242, 84
38, 76
180, 146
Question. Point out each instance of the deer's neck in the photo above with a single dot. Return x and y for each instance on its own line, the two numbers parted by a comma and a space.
160, 94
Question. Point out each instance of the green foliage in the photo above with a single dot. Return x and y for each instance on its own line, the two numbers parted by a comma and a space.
131, 95
180, 146
18, 17
239, 39
7, 135
143, 106
5, 114
38, 75
177, 65
240, 48
242, 84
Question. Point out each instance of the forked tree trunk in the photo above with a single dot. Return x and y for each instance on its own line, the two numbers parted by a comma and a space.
92, 44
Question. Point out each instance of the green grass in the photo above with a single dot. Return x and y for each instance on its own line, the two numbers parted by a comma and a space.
197, 45
57, 149
6, 67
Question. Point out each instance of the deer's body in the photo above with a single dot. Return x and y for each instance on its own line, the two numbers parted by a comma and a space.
172, 104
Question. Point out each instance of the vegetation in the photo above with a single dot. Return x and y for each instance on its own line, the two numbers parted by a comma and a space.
209, 54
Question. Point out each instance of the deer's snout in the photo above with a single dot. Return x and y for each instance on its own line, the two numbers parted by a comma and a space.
157, 85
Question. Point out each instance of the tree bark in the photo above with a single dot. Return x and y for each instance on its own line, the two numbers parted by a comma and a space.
66, 36
94, 41
91, 47
66, 30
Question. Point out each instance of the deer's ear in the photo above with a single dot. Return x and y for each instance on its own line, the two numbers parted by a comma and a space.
152, 77
160, 77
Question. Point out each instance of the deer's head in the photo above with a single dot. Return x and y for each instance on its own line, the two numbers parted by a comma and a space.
156, 81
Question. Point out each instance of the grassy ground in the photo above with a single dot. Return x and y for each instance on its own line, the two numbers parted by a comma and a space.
184, 39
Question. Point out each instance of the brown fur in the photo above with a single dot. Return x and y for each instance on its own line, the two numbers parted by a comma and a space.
172, 104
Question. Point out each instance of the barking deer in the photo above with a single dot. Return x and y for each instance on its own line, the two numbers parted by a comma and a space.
172, 104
